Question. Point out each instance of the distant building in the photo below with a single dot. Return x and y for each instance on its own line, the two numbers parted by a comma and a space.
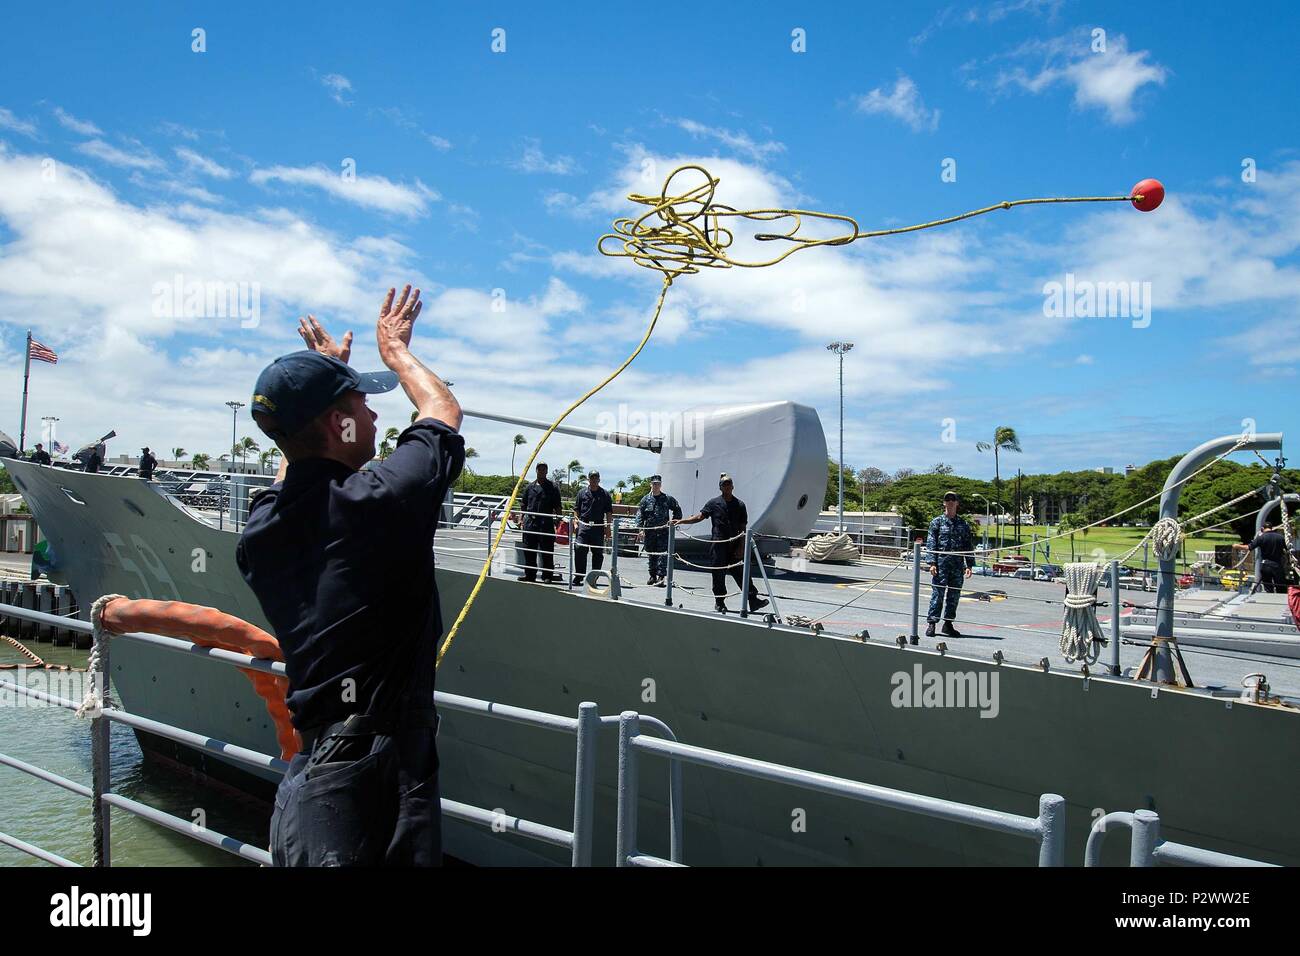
1105, 470
1129, 469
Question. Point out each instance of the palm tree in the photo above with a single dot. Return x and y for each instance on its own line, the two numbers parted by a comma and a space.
245, 446
200, 462
1068, 524
386, 446
518, 440
469, 453
570, 468
268, 457
178, 454
1004, 439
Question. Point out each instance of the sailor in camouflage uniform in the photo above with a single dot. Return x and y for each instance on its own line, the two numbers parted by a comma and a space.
652, 516
949, 533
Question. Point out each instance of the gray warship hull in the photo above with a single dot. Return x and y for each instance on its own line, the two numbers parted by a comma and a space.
1222, 773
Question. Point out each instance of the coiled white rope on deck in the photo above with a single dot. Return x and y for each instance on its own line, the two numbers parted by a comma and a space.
1081, 635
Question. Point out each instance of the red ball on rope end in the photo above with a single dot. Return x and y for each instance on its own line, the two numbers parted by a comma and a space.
1151, 193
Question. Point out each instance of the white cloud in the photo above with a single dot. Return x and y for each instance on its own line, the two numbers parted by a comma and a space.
373, 192
903, 102
139, 158
203, 164
400, 118
740, 142
339, 86
533, 160
79, 126
1109, 79
10, 121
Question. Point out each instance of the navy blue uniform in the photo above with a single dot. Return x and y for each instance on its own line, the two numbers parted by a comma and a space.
1271, 546
147, 465
342, 564
948, 534
41, 457
592, 508
541, 503
652, 516
730, 519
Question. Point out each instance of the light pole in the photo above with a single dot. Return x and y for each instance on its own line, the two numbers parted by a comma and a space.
839, 348
49, 428
984, 556
234, 418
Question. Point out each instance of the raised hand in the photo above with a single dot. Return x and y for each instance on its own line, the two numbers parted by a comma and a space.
396, 319
318, 340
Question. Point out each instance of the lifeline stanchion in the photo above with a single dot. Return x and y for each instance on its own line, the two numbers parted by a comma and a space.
573, 533
916, 591
1114, 618
614, 590
672, 549
744, 584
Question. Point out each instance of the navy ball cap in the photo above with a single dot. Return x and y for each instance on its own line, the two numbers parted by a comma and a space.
297, 387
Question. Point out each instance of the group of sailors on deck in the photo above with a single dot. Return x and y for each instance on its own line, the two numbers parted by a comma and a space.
656, 512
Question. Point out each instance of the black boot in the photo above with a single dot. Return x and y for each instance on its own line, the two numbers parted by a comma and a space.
650, 581
948, 629
929, 629
755, 603
720, 605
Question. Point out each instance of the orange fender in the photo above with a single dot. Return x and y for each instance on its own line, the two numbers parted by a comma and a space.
212, 628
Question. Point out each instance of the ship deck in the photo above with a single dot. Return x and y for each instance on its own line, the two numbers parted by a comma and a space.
1021, 619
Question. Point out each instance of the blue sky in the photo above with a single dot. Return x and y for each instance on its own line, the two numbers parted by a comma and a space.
127, 158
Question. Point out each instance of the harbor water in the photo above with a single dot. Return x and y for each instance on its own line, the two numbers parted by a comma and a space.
55, 739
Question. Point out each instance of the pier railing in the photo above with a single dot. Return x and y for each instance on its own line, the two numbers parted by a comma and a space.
1047, 829
585, 729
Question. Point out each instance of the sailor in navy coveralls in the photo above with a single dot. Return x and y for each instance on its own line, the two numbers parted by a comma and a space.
948, 532
339, 552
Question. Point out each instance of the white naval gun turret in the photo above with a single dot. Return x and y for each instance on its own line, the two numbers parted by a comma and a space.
775, 453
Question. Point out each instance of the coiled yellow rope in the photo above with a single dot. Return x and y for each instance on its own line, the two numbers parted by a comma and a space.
684, 232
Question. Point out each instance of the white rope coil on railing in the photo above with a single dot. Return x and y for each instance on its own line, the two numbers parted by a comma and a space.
92, 705
1081, 635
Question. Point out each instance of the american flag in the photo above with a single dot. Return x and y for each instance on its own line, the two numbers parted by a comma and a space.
58, 447
42, 353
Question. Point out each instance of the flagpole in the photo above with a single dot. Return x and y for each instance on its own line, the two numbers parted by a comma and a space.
27, 371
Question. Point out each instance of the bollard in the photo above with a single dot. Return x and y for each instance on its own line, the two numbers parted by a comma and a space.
744, 579
1146, 837
625, 840
672, 547
916, 590
1114, 618
1051, 819
584, 775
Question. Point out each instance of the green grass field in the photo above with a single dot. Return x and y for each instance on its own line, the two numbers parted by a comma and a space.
1110, 542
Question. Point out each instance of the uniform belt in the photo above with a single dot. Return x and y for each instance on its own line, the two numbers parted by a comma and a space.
368, 725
